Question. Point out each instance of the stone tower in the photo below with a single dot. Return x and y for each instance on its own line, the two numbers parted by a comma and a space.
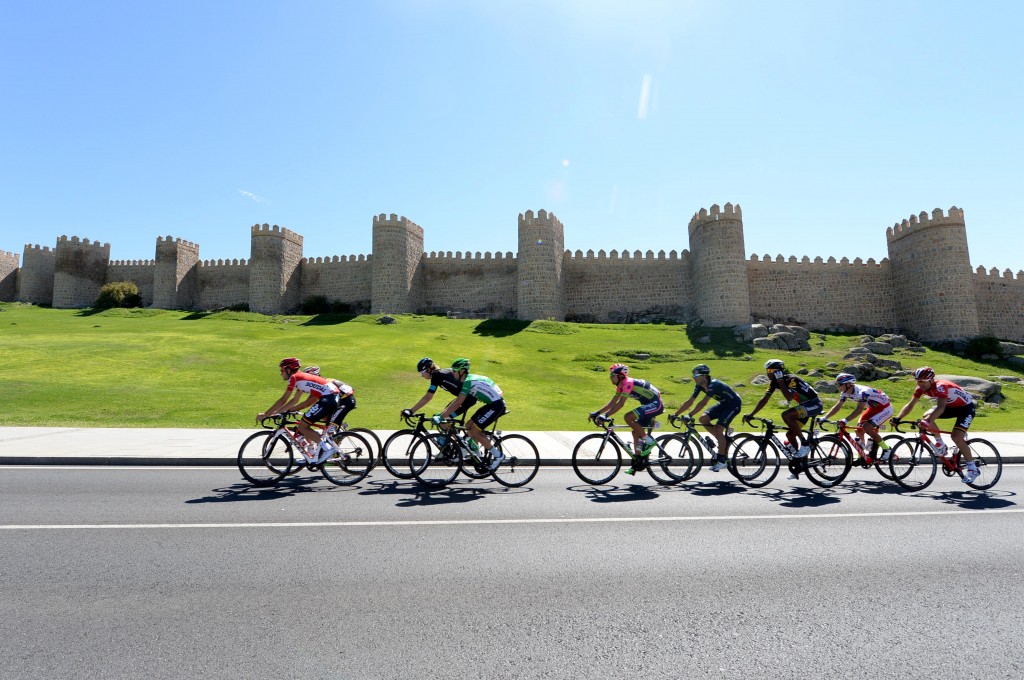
35, 280
540, 290
274, 275
8, 275
721, 296
396, 265
176, 275
932, 278
79, 271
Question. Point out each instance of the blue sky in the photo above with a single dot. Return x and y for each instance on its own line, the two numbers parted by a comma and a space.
826, 121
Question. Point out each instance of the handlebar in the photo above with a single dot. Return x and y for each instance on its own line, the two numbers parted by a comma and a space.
601, 421
687, 420
764, 422
279, 420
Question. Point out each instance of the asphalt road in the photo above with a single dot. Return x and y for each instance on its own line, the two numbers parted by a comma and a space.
172, 573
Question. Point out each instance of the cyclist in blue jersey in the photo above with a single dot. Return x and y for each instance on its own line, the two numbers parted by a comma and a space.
640, 417
717, 418
486, 391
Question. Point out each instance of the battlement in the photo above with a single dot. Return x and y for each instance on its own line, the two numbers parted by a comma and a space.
916, 223
8, 255
160, 240
335, 258
224, 263
82, 244
703, 216
831, 261
262, 230
38, 248
994, 273
449, 255
601, 255
542, 217
394, 220
132, 263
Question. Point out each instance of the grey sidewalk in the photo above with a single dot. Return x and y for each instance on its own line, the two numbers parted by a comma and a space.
166, 446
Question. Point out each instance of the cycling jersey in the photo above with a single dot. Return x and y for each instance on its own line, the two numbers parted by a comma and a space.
482, 388
802, 392
869, 396
954, 395
718, 391
445, 378
313, 384
641, 390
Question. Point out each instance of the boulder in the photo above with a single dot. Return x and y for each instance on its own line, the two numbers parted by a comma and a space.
986, 390
387, 320
894, 340
866, 372
1009, 349
765, 343
749, 331
826, 387
877, 347
760, 380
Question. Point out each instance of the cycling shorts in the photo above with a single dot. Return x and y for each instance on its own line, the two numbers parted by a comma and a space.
808, 409
464, 409
723, 412
877, 415
488, 413
323, 408
646, 413
964, 416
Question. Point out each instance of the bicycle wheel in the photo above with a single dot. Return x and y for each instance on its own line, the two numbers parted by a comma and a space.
672, 460
396, 452
596, 459
828, 462
883, 465
351, 462
989, 462
264, 460
472, 466
755, 460
435, 460
372, 439
912, 464
521, 461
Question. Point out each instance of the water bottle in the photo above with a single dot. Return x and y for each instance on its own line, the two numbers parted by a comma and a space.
332, 429
709, 442
629, 447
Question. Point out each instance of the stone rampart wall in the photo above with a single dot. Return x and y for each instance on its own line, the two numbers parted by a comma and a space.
35, 279
223, 283
339, 279
466, 282
142, 272
822, 294
79, 271
8, 275
1000, 302
621, 286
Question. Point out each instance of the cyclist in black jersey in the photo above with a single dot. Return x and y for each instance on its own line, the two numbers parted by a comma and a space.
446, 379
793, 388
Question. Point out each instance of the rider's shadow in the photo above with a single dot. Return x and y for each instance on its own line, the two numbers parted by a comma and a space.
421, 496
875, 487
393, 487
616, 494
799, 497
973, 500
723, 487
246, 492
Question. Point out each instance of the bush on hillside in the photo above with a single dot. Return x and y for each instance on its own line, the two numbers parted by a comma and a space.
979, 347
124, 294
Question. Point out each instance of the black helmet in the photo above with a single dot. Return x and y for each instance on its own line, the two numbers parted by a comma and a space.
775, 365
701, 369
423, 364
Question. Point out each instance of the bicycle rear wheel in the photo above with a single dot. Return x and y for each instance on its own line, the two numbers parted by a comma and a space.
264, 459
396, 453
672, 460
372, 439
912, 464
596, 459
828, 462
755, 460
521, 460
351, 462
989, 462
435, 460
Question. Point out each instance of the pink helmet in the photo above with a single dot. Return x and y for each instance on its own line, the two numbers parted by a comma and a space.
618, 369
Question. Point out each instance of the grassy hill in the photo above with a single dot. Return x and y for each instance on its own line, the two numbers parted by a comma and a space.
158, 368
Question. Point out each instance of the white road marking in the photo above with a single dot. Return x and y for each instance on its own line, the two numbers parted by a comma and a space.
469, 522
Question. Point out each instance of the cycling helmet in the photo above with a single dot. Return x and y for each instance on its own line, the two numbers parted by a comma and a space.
461, 364
618, 369
845, 379
291, 363
312, 370
775, 365
924, 373
423, 364
701, 369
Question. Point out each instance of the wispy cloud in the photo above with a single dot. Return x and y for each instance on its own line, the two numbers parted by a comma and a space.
645, 97
252, 196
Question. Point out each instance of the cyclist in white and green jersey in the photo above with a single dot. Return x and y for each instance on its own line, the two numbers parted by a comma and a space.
485, 391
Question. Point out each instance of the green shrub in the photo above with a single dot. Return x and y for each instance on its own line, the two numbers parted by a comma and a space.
315, 304
978, 347
123, 294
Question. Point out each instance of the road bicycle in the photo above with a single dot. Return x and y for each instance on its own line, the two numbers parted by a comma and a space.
399, 446
701, 444
597, 457
279, 450
861, 457
436, 458
915, 460
756, 457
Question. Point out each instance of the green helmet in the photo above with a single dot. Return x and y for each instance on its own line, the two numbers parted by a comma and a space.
461, 364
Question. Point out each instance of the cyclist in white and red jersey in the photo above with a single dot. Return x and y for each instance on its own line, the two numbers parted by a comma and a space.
323, 400
951, 401
873, 402
640, 417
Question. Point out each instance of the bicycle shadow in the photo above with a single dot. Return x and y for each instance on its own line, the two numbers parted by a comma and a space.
802, 497
243, 491
423, 497
972, 500
875, 487
719, 487
607, 493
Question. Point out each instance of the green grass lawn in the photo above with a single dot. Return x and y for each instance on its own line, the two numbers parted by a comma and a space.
158, 368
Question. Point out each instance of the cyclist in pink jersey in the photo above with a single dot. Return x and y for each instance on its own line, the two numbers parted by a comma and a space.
323, 398
951, 401
638, 418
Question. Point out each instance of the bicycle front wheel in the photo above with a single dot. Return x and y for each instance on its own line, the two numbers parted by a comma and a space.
435, 460
520, 463
989, 462
264, 459
828, 462
672, 460
397, 451
883, 465
912, 464
755, 460
596, 459
351, 462
376, 448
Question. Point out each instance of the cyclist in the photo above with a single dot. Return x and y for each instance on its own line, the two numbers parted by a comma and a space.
483, 389
324, 399
717, 418
640, 417
439, 377
793, 388
875, 404
951, 401
347, 401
